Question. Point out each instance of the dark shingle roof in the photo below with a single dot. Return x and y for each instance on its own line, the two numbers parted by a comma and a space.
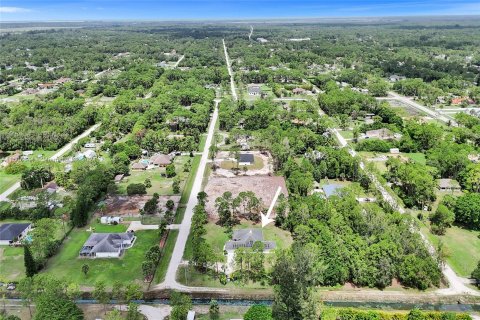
106, 242
246, 238
246, 157
10, 231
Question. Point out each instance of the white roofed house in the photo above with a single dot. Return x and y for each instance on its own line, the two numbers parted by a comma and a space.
382, 134
107, 245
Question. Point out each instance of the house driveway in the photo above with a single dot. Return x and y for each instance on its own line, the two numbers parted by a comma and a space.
137, 225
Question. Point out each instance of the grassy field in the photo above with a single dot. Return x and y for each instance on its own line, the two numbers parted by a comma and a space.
7, 180
230, 164
160, 185
166, 256
217, 237
68, 265
462, 247
11, 263
11, 258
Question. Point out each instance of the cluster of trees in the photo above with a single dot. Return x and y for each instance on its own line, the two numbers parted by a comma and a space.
149, 265
375, 246
44, 124
53, 298
412, 182
249, 263
124, 294
203, 255
43, 245
91, 187
230, 209
36, 177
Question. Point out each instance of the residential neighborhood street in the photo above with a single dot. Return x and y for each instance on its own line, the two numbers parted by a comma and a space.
184, 230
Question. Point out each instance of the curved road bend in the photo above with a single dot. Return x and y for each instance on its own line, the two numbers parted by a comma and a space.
56, 156
457, 285
184, 229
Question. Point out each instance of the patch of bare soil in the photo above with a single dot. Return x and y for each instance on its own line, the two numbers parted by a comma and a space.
264, 187
129, 206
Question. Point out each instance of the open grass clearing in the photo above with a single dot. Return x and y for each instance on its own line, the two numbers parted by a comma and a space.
216, 236
66, 264
230, 164
166, 256
160, 184
462, 247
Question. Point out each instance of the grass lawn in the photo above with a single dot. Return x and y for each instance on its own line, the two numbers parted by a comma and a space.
7, 180
222, 316
105, 228
160, 185
229, 164
191, 178
346, 134
417, 157
462, 247
203, 141
11, 258
166, 256
11, 263
67, 264
217, 237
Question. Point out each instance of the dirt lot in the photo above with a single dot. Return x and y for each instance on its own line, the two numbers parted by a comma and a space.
263, 186
263, 164
129, 206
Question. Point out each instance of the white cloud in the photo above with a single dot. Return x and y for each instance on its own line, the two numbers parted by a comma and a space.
13, 10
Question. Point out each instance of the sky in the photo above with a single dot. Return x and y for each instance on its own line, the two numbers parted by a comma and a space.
29, 10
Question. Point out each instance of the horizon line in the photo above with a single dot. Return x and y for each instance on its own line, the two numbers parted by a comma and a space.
243, 19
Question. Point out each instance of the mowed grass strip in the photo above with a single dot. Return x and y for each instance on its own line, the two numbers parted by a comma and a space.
166, 256
66, 264
11, 263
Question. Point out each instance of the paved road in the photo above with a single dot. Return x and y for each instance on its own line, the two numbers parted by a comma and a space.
434, 114
56, 156
184, 229
456, 283
230, 72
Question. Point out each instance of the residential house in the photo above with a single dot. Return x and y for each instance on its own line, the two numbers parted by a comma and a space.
11, 159
62, 80
46, 85
475, 158
139, 166
13, 232
246, 159
51, 187
107, 245
382, 134
191, 315
89, 145
118, 178
245, 238
160, 160
298, 91
448, 185
262, 40
395, 78
254, 90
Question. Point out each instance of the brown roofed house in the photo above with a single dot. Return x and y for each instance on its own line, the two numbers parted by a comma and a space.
160, 160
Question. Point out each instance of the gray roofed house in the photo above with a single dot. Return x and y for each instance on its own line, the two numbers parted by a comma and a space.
246, 159
12, 232
448, 185
139, 166
254, 90
245, 238
107, 245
